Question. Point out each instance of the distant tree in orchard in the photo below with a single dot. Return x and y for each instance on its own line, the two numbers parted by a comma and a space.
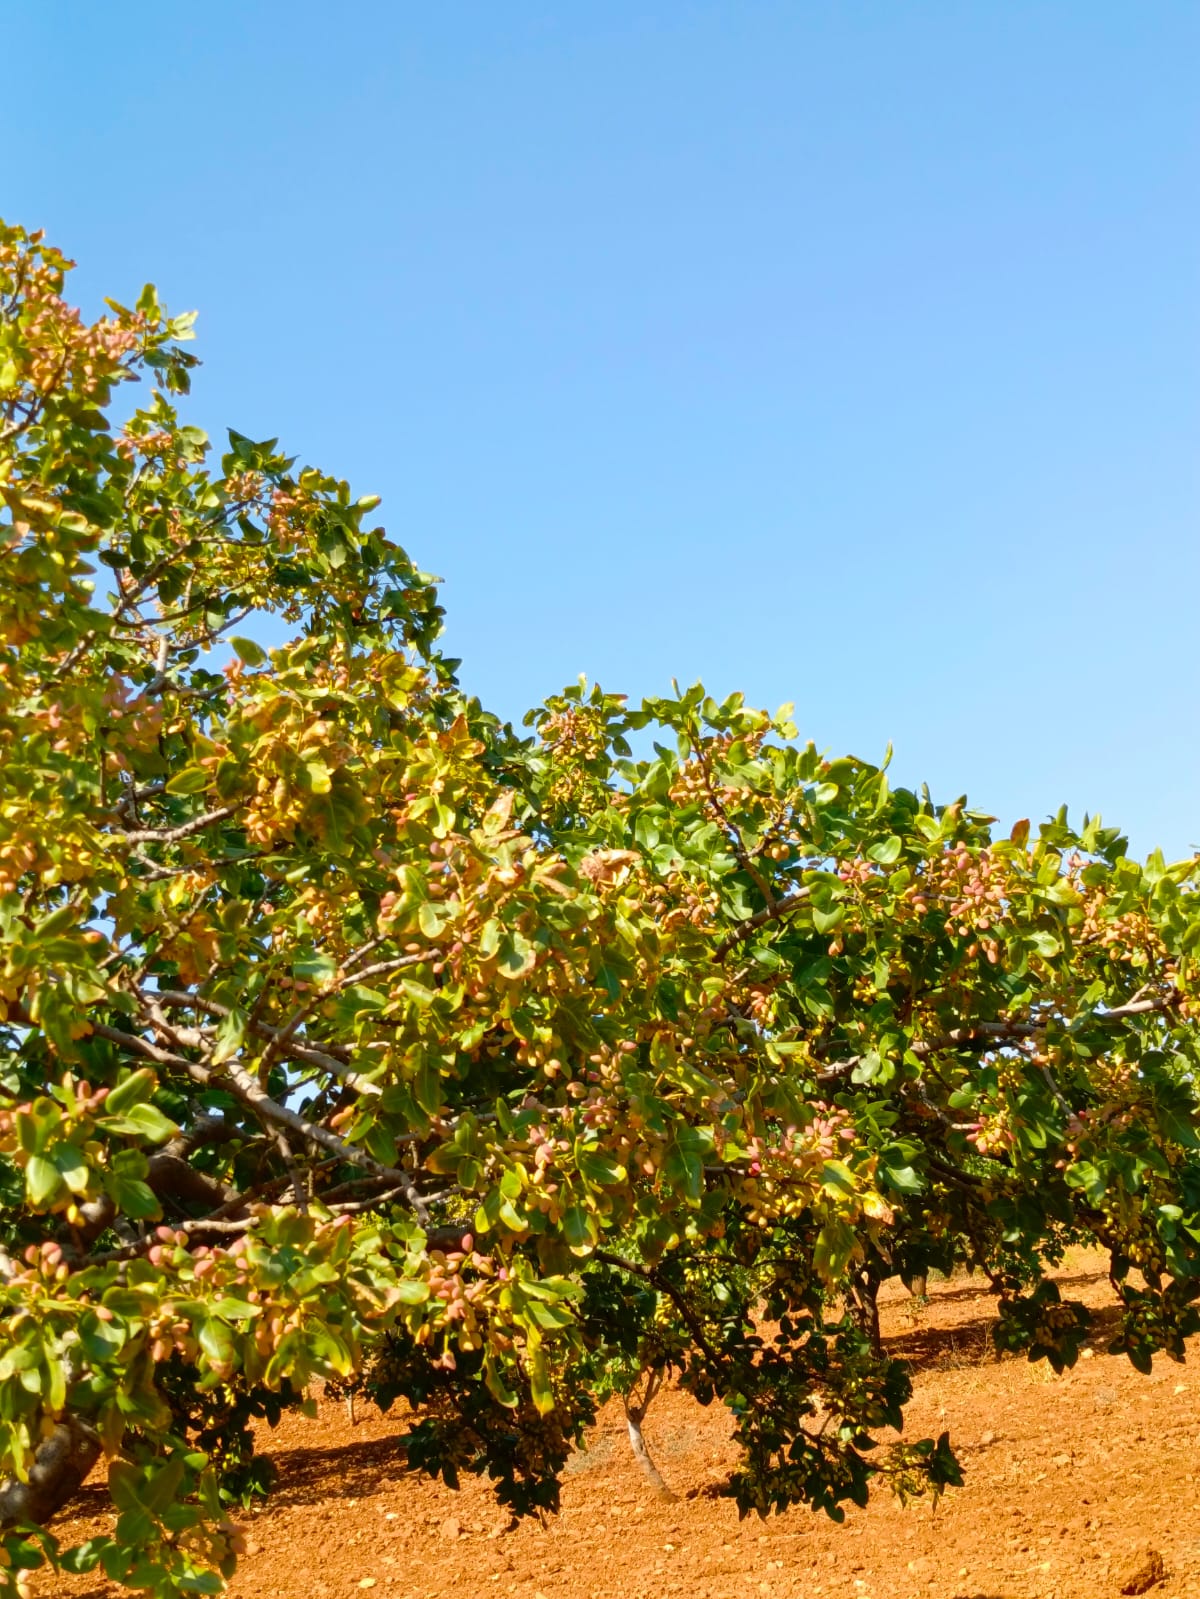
348, 1034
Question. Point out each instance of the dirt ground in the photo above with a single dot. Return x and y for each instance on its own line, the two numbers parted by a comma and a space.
1071, 1483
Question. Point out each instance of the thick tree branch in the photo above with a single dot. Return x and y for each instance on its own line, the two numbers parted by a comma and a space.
311, 1055
172, 835
60, 1465
168, 1176
246, 1088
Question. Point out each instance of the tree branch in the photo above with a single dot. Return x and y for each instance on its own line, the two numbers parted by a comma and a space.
677, 1298
246, 1088
60, 1464
176, 999
769, 913
172, 835
990, 1035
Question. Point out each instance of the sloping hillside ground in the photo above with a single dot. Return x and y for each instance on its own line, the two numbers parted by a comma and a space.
1071, 1483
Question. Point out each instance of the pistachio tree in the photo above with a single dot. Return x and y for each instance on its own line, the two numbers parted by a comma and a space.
348, 1034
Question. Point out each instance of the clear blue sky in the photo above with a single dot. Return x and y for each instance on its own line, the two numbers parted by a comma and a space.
846, 354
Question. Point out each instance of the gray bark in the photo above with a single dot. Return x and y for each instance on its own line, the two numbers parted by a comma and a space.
635, 1414
60, 1465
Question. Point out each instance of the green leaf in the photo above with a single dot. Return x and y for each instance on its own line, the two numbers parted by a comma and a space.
131, 1090
84, 1556
904, 1179
134, 1197
496, 1385
517, 955
43, 1181
316, 969
191, 780
420, 993
512, 1183
125, 1486
230, 1036
552, 1317
232, 1309
215, 1340
887, 851
551, 1287
539, 1381
826, 921
1176, 1117
100, 1340
834, 1249
250, 653
63, 920
610, 982
75, 1171
580, 1230
868, 1068
327, 1351
318, 775
598, 1168
144, 1121
200, 1582
164, 1485
684, 1170
837, 1178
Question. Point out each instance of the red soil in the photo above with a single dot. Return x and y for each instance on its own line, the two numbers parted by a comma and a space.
1071, 1483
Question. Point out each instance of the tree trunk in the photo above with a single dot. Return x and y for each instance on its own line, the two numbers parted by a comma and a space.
60, 1465
864, 1306
635, 1414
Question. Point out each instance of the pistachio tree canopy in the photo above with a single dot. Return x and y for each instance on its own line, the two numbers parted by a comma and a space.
347, 1034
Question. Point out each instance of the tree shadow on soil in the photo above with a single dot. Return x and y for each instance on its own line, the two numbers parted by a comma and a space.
356, 1470
970, 1342
956, 1290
